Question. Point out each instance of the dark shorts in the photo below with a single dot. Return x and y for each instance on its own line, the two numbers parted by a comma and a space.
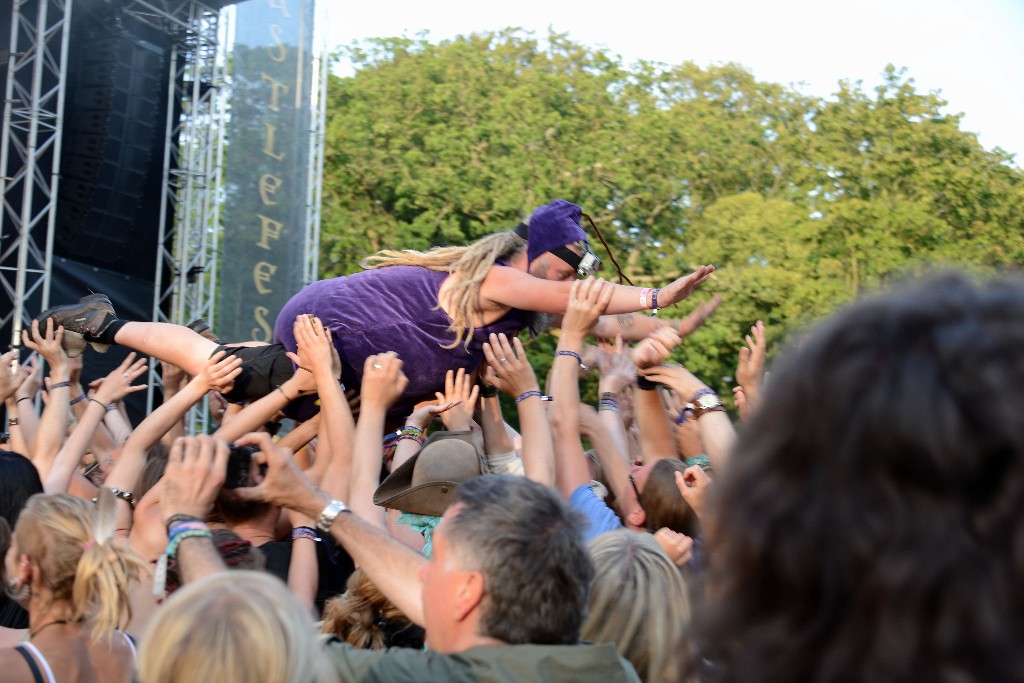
264, 368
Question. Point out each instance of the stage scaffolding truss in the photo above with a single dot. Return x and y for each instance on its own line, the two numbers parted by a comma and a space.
30, 152
190, 228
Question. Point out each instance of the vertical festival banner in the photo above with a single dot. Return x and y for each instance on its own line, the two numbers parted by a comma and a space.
266, 170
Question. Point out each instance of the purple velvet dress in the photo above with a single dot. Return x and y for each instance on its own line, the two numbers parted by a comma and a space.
391, 309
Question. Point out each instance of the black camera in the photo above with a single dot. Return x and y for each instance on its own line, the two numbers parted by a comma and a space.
239, 472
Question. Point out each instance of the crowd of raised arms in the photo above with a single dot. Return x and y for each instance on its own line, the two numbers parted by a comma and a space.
859, 516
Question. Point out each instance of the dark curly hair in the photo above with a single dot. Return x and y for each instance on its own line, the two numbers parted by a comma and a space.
871, 525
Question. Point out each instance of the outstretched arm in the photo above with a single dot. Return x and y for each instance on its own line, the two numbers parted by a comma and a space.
317, 356
116, 386
391, 566
656, 438
716, 430
50, 434
218, 372
510, 371
636, 326
589, 299
750, 369
505, 286
383, 383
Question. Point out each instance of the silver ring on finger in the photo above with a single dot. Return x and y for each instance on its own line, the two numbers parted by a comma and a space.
503, 360
378, 366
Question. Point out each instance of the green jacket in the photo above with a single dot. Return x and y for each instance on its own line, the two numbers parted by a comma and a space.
486, 664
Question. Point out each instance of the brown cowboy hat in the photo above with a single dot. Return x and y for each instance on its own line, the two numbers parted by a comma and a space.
425, 484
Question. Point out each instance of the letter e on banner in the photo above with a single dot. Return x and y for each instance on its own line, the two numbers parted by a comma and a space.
269, 185
261, 273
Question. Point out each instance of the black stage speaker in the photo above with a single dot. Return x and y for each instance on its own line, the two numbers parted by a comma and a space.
112, 155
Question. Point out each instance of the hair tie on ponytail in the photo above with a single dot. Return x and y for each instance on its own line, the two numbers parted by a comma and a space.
88, 544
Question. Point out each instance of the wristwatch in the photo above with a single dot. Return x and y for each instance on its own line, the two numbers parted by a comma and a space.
330, 513
706, 401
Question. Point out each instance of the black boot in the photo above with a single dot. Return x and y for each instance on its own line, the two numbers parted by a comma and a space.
86, 321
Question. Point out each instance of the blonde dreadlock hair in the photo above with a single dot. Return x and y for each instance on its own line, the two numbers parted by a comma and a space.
472, 263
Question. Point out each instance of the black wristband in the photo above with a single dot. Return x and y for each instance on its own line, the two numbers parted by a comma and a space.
646, 384
487, 390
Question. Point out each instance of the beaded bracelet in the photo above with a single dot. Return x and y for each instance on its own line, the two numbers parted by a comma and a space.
608, 402
410, 437
77, 400
304, 532
174, 519
410, 432
172, 546
59, 385
702, 461
574, 355
527, 394
183, 526
654, 302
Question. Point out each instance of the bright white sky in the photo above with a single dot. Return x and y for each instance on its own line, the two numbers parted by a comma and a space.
970, 50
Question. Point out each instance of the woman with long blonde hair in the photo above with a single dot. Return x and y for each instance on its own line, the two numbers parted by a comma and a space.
435, 309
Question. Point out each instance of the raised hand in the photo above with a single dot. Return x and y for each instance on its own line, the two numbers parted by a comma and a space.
588, 300
750, 370
509, 370
675, 377
743, 407
460, 395
656, 348
698, 316
314, 346
118, 383
616, 364
31, 378
10, 378
693, 484
220, 372
679, 289
425, 412
678, 547
284, 484
47, 343
195, 472
174, 378
383, 380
